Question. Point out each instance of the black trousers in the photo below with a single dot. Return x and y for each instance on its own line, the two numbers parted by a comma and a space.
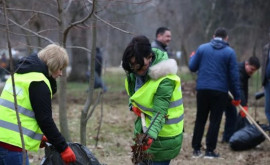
213, 103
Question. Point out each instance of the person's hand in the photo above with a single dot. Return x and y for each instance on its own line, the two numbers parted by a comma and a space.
68, 155
236, 102
137, 111
192, 54
242, 114
147, 143
43, 141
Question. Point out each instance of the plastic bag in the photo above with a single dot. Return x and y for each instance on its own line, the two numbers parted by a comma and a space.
246, 138
83, 156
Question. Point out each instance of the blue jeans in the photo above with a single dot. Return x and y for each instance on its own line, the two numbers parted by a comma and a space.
11, 157
167, 162
267, 100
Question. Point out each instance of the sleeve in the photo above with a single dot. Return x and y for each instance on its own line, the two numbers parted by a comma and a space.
243, 92
40, 98
161, 104
194, 61
234, 77
243, 98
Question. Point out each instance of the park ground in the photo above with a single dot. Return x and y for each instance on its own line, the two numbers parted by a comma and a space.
115, 137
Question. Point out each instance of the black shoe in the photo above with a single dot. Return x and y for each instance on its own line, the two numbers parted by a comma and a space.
210, 155
197, 154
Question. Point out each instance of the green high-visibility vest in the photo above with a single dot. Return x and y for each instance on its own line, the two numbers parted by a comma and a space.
9, 130
143, 99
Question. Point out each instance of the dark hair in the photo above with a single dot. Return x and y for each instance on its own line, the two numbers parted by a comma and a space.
161, 30
221, 32
254, 61
139, 47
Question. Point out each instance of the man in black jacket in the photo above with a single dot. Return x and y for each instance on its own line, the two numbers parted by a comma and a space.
234, 121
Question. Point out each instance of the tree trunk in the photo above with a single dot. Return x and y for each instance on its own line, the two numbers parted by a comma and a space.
79, 56
62, 97
89, 101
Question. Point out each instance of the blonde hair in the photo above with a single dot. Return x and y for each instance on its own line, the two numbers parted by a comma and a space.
54, 56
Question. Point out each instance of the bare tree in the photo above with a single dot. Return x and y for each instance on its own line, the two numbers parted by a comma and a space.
62, 27
13, 82
84, 113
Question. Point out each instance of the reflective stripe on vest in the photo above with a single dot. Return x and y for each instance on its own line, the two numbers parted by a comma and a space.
172, 105
8, 119
170, 121
25, 131
21, 110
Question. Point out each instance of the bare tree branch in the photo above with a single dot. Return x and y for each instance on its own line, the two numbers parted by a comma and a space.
26, 22
30, 46
107, 23
79, 47
35, 11
68, 5
100, 120
25, 35
79, 22
136, 3
31, 31
94, 106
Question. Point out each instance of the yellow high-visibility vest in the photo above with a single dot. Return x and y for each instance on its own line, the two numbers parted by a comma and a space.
143, 99
9, 130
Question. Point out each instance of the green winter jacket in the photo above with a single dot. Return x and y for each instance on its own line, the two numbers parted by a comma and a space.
163, 148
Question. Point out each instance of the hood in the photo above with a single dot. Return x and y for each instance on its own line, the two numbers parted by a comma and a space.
163, 68
31, 64
218, 43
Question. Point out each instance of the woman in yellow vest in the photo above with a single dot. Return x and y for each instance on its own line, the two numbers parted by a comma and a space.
155, 96
34, 85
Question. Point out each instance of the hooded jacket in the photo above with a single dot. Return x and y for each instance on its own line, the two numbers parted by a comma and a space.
217, 67
163, 148
40, 98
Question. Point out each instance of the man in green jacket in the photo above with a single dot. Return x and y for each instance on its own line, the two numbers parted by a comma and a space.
155, 92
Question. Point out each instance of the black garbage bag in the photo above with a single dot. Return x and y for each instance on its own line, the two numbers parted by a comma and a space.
83, 156
246, 138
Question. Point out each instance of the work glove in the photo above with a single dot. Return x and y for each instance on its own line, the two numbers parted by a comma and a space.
137, 111
43, 141
242, 114
147, 143
68, 155
236, 102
